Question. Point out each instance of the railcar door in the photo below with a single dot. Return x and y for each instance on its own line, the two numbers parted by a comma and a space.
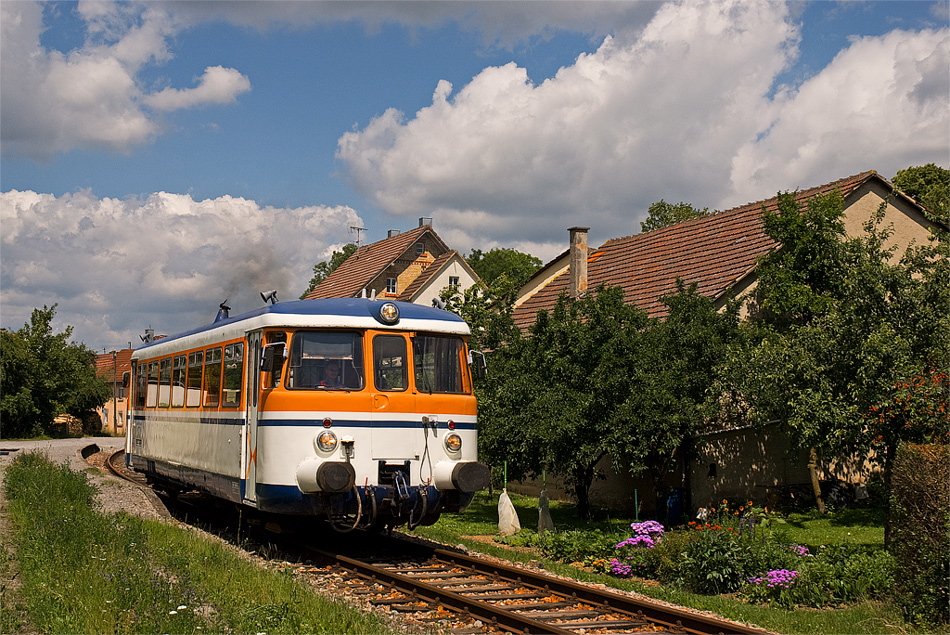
249, 445
396, 425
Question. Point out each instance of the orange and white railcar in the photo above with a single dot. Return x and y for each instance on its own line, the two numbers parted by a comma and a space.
356, 409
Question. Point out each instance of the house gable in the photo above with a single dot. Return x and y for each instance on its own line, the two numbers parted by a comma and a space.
370, 266
436, 277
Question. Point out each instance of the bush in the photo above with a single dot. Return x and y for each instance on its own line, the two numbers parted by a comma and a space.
920, 500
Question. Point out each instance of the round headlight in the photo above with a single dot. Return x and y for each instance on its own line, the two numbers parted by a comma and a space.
326, 441
389, 313
453, 443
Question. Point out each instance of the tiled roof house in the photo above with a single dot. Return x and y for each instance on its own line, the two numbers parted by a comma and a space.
412, 266
115, 371
718, 251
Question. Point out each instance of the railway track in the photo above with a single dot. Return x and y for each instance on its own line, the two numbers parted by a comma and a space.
116, 465
466, 594
480, 595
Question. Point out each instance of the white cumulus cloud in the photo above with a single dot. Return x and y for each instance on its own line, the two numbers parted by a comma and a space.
883, 99
685, 109
218, 85
92, 97
118, 266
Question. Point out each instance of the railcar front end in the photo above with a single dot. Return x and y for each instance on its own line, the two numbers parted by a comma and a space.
358, 410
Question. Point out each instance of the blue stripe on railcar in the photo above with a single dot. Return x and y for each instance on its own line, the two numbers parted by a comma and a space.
355, 423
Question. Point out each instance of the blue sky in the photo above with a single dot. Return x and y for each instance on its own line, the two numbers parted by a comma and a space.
156, 158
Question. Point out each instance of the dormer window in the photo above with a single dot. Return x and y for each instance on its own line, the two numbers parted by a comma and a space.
390, 285
420, 248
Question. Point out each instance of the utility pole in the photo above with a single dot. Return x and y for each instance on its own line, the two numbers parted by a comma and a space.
115, 416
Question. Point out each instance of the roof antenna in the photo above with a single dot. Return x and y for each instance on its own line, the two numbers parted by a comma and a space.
359, 237
269, 296
149, 335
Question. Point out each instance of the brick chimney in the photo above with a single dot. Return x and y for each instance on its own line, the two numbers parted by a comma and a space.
578, 268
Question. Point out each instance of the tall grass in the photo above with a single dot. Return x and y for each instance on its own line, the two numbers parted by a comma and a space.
86, 572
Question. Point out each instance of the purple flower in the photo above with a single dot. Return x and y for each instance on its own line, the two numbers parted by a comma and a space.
782, 578
799, 550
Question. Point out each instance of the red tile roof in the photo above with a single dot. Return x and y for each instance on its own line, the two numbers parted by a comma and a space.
714, 251
123, 364
359, 270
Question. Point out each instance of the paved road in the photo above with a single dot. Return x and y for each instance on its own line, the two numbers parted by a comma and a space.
114, 493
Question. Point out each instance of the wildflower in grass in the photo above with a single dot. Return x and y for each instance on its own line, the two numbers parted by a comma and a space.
799, 550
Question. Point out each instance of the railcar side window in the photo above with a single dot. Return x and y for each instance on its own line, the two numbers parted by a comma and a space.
212, 377
389, 363
141, 383
152, 384
178, 381
438, 364
326, 360
276, 340
195, 362
165, 383
233, 375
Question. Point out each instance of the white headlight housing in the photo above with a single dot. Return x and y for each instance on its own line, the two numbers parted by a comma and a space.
326, 441
453, 443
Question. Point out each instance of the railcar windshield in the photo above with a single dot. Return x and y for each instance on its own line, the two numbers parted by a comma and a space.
326, 360
438, 363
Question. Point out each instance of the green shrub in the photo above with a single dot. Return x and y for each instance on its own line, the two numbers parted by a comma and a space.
920, 503
717, 561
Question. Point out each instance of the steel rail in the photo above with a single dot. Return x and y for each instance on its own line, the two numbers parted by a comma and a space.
667, 616
602, 609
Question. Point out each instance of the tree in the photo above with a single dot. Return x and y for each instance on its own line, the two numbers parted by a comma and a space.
930, 186
487, 310
514, 265
661, 214
43, 375
550, 398
666, 402
323, 269
841, 325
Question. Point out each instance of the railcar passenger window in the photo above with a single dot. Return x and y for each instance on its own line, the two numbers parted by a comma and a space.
438, 363
233, 375
178, 381
389, 363
326, 360
141, 383
152, 384
165, 383
212, 377
195, 362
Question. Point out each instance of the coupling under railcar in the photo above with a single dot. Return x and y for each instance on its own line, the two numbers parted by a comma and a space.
359, 410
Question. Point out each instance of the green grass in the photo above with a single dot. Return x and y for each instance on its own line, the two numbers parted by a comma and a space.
864, 527
846, 526
86, 572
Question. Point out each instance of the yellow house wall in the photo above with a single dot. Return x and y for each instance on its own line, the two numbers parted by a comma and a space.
754, 465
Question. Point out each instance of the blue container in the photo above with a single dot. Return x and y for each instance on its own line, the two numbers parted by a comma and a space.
674, 507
